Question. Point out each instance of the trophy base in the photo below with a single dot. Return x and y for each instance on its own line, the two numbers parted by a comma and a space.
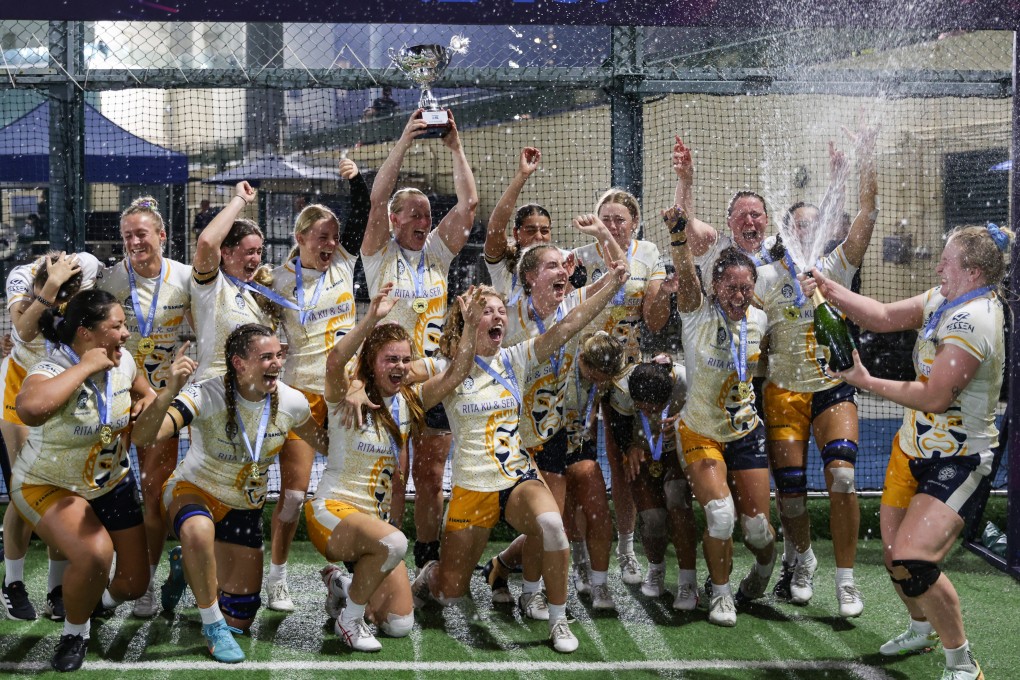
437, 123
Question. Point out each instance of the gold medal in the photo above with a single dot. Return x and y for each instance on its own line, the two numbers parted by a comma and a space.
420, 305
253, 471
655, 468
106, 435
617, 314
792, 313
744, 390
146, 345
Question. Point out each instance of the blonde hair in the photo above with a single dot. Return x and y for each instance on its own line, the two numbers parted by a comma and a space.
978, 250
529, 262
146, 205
624, 198
601, 352
453, 326
306, 219
398, 199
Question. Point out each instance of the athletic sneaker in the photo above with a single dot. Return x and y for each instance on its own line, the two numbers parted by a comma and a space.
654, 584
54, 609
722, 611
70, 653
752, 587
802, 585
910, 641
17, 606
963, 674
500, 588
686, 597
102, 612
629, 568
782, 587
850, 602
336, 600
147, 605
278, 596
356, 634
420, 592
172, 591
562, 639
601, 598
581, 576
534, 606
221, 642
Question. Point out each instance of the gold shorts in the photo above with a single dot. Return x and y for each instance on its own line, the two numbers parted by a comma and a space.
322, 517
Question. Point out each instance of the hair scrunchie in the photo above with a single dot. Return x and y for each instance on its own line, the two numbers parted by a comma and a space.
1000, 237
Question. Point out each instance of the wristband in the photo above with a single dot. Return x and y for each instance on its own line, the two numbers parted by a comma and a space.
678, 243
45, 303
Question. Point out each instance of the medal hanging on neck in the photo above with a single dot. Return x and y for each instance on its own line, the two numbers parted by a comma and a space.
618, 308
104, 402
738, 350
254, 452
586, 420
655, 467
146, 344
762, 257
556, 360
792, 312
509, 382
420, 304
265, 292
948, 305
305, 310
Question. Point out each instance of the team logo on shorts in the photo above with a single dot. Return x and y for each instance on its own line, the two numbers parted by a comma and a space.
946, 473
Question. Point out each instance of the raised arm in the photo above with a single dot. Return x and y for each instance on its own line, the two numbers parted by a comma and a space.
871, 314
40, 397
834, 199
702, 234
856, 243
495, 234
361, 203
154, 424
25, 316
344, 351
377, 233
207, 252
455, 227
688, 286
579, 317
436, 388
590, 225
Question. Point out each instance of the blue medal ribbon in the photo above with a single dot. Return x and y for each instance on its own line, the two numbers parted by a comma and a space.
800, 299
509, 382
300, 291
589, 405
620, 296
515, 290
394, 447
417, 280
265, 292
254, 452
739, 354
948, 305
557, 360
145, 325
762, 257
656, 444
102, 402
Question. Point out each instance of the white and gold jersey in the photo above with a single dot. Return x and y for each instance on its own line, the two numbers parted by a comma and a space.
219, 464
542, 388
968, 425
484, 418
363, 461
504, 280
645, 267
311, 335
404, 267
66, 450
169, 320
795, 365
717, 407
217, 308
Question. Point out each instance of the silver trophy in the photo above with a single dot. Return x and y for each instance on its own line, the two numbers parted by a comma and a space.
424, 65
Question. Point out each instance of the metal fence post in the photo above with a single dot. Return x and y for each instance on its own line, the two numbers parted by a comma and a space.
67, 139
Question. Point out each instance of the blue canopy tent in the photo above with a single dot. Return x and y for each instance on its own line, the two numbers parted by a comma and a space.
112, 154
1004, 166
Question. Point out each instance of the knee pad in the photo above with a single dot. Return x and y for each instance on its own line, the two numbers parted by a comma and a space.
242, 607
840, 449
678, 494
553, 535
396, 547
842, 480
653, 522
187, 511
914, 577
791, 480
290, 505
792, 506
757, 532
397, 626
720, 516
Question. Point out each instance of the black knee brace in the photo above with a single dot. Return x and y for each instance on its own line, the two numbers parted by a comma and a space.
791, 480
240, 606
186, 511
840, 449
914, 577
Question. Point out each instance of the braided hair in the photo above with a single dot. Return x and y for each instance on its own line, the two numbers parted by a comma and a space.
239, 345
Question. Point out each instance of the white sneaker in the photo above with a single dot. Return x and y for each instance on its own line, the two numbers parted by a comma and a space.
535, 606
752, 586
420, 592
963, 673
562, 639
279, 596
581, 576
802, 585
601, 598
851, 604
337, 584
910, 641
654, 584
148, 604
356, 634
629, 568
722, 611
686, 597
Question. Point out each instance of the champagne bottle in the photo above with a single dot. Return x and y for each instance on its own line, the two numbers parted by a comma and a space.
832, 332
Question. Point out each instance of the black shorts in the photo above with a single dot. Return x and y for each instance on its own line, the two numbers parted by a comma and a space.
555, 455
436, 419
748, 452
832, 396
241, 527
621, 426
954, 480
504, 495
118, 509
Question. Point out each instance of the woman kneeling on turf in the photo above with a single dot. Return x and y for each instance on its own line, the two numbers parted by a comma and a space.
213, 500
351, 518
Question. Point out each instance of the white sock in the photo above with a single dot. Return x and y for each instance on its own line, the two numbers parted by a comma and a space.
599, 578
528, 587
923, 627
689, 576
960, 657
211, 614
724, 589
109, 601
557, 612
660, 566
844, 576
625, 545
806, 557
14, 570
277, 572
152, 572
352, 612
82, 629
55, 575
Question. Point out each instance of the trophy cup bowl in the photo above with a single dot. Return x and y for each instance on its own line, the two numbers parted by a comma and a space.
424, 65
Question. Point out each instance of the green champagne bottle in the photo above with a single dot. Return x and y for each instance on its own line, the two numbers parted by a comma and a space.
831, 331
